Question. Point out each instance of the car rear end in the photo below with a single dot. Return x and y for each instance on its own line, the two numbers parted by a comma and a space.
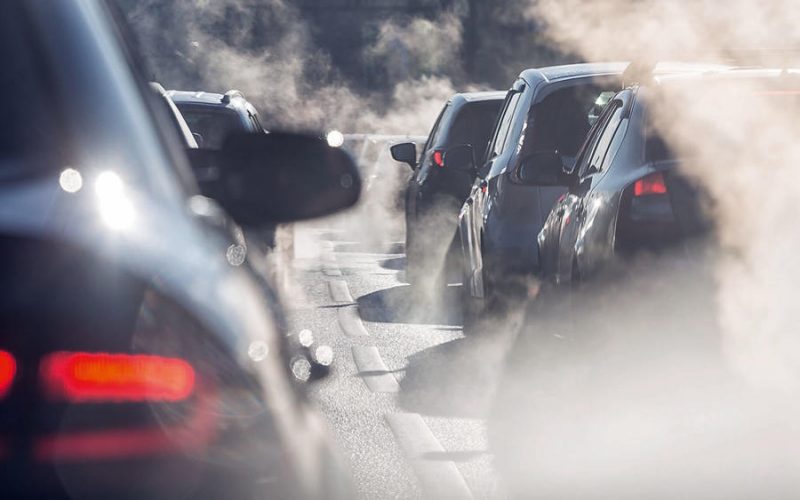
661, 209
109, 388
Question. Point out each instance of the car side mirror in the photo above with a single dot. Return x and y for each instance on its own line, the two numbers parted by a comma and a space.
405, 153
544, 168
460, 158
278, 177
198, 139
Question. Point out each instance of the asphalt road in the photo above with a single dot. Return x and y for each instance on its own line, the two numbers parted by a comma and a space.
409, 393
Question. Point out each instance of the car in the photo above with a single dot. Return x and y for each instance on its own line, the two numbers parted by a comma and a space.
628, 353
184, 132
436, 190
545, 116
213, 116
627, 193
140, 355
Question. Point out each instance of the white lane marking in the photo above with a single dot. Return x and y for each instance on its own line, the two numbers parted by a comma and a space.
331, 270
340, 292
373, 370
439, 479
351, 323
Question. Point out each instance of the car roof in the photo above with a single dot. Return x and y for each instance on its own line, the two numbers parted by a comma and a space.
493, 95
730, 74
232, 100
570, 71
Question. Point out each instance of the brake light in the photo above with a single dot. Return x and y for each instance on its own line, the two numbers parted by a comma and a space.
82, 377
8, 369
438, 158
652, 184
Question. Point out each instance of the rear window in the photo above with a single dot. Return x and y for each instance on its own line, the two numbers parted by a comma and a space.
213, 124
474, 124
28, 118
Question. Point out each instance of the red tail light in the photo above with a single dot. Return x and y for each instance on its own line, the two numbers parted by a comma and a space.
438, 158
79, 377
8, 369
652, 184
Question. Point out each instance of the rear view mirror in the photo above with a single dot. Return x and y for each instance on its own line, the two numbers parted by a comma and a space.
460, 158
279, 177
543, 168
405, 153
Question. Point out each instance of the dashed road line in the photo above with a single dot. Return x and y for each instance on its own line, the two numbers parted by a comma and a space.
439, 479
373, 370
331, 270
340, 292
351, 323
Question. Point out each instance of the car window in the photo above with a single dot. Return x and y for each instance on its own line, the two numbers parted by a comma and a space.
590, 145
606, 136
436, 131
28, 119
474, 124
500, 140
561, 121
615, 144
213, 124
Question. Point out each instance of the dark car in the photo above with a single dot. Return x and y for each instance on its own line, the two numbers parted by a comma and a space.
437, 190
627, 194
181, 127
140, 353
214, 116
545, 117
628, 359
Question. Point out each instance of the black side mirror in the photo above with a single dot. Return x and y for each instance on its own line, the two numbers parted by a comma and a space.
405, 153
543, 168
461, 158
198, 139
278, 177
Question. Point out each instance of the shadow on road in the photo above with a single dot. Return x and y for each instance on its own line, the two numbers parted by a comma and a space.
457, 378
379, 247
395, 264
408, 304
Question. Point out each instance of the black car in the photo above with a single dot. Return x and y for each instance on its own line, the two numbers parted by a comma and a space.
628, 368
437, 190
626, 193
214, 116
545, 118
184, 132
140, 353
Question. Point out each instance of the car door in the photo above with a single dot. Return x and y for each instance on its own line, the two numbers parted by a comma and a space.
475, 206
573, 208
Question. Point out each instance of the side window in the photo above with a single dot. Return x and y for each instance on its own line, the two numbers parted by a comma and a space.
590, 145
616, 142
500, 140
606, 137
435, 131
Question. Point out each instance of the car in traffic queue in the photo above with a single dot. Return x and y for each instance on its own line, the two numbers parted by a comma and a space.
629, 192
140, 356
212, 117
436, 190
546, 114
